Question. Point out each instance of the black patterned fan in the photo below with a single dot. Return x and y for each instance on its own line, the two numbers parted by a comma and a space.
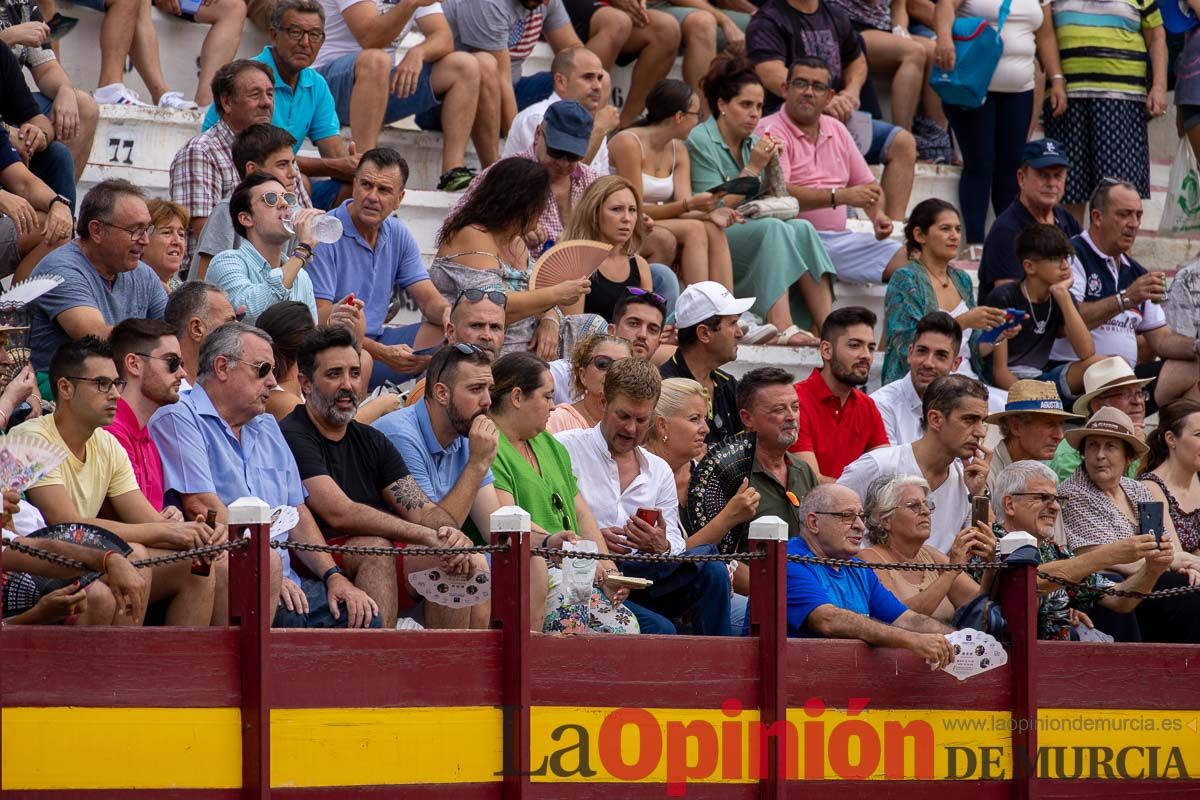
715, 480
83, 535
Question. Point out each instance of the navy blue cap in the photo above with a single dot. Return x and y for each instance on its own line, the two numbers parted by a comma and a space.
568, 127
1042, 153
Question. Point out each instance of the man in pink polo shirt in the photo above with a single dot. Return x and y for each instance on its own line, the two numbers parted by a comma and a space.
825, 172
147, 356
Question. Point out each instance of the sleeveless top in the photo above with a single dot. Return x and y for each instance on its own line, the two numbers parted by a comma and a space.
605, 292
905, 589
1187, 525
654, 188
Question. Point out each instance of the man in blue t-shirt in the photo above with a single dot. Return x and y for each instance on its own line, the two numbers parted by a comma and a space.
849, 602
376, 254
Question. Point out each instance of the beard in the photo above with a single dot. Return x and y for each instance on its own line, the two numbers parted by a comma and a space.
459, 421
847, 375
327, 409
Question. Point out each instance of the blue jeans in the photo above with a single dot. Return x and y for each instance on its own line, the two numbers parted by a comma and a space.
701, 587
318, 615
664, 282
991, 138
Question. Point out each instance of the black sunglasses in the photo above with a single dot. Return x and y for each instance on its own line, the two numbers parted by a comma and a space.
638, 291
602, 363
561, 507
174, 360
465, 349
562, 155
475, 295
263, 368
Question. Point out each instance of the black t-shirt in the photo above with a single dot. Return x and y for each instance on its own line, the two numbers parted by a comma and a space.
999, 260
362, 464
778, 32
723, 417
17, 105
1029, 348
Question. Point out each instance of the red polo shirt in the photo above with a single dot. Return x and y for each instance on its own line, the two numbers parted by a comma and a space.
143, 453
838, 434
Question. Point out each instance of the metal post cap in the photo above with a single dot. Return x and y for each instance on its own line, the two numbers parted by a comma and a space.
1015, 540
771, 529
510, 519
249, 511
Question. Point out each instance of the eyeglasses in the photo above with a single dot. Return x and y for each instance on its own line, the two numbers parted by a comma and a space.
296, 34
847, 517
140, 232
917, 506
601, 363
1128, 395
803, 85
475, 295
465, 349
1045, 498
174, 360
262, 368
104, 385
638, 291
272, 199
562, 155
561, 507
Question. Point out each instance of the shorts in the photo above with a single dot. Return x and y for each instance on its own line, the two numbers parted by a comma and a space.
1058, 376
1103, 138
319, 615
95, 5
339, 74
858, 257
405, 599
680, 13
882, 136
528, 90
581, 13
1191, 117
324, 193
10, 253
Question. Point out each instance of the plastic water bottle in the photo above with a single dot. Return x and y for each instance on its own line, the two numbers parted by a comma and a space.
327, 229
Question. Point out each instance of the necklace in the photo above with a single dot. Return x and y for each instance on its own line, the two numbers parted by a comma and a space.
1039, 325
943, 281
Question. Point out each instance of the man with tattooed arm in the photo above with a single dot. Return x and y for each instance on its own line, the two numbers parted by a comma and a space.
360, 489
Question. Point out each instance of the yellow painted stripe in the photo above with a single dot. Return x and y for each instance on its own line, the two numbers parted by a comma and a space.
111, 748
368, 746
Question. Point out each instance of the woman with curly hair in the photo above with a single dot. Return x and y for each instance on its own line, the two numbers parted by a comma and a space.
482, 245
590, 361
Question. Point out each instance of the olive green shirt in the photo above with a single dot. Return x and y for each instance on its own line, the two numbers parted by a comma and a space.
774, 501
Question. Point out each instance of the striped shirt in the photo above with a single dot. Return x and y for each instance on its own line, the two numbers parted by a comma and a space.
1102, 46
524, 35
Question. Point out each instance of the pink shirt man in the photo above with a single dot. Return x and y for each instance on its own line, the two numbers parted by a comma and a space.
833, 162
143, 453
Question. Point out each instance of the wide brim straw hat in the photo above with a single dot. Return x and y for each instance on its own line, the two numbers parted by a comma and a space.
1032, 397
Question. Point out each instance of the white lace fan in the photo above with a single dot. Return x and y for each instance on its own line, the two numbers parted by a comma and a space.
567, 261
26, 291
25, 459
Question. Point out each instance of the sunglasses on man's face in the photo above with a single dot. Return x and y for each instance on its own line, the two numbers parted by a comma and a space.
261, 368
562, 155
272, 199
174, 361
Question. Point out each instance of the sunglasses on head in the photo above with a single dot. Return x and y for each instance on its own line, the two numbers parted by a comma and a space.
261, 368
174, 360
638, 291
475, 295
562, 155
465, 349
272, 199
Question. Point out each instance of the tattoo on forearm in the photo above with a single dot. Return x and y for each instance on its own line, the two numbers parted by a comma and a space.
406, 493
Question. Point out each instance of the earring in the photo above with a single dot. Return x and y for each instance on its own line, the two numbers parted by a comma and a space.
664, 439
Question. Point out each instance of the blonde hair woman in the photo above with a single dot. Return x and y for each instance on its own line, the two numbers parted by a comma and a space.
610, 212
590, 361
164, 253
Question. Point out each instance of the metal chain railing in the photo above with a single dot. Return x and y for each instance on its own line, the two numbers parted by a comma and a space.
915, 566
390, 551
53, 558
154, 561
645, 558
1114, 592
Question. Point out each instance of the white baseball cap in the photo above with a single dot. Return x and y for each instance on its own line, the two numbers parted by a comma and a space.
708, 299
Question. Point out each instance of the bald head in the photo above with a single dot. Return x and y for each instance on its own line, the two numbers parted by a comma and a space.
480, 323
827, 532
578, 75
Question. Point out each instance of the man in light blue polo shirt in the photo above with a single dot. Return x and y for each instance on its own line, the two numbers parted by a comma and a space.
375, 254
447, 439
217, 445
304, 106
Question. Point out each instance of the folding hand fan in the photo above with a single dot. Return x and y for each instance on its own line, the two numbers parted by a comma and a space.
20, 359
568, 261
25, 459
25, 292
85, 536
715, 480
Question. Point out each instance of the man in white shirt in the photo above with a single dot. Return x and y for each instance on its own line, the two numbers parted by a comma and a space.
624, 484
1119, 298
431, 81
934, 353
950, 455
578, 75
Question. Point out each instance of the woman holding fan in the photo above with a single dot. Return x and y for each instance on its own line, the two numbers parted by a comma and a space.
482, 245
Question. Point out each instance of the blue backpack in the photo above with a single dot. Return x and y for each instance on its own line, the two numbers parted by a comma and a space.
977, 50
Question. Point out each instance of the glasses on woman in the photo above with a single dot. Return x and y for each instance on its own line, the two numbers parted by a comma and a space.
272, 199
174, 361
601, 363
917, 506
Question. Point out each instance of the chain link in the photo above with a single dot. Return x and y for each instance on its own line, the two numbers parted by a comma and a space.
904, 565
1114, 592
646, 558
390, 551
53, 558
190, 555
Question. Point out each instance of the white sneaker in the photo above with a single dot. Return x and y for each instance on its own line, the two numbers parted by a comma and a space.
760, 334
175, 101
117, 94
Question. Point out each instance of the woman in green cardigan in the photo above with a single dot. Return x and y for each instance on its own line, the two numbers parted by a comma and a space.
929, 283
781, 263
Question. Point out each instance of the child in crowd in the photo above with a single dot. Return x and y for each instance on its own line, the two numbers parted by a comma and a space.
1044, 294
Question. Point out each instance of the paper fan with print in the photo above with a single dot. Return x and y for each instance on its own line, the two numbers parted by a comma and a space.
25, 459
715, 480
26, 291
568, 261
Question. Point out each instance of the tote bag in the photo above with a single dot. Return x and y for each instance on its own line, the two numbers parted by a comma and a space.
977, 50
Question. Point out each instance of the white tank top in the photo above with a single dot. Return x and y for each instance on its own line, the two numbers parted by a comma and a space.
655, 189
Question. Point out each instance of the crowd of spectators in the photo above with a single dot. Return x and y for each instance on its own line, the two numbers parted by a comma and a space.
223, 343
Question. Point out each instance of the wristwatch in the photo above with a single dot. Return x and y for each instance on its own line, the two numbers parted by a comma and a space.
329, 573
58, 198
